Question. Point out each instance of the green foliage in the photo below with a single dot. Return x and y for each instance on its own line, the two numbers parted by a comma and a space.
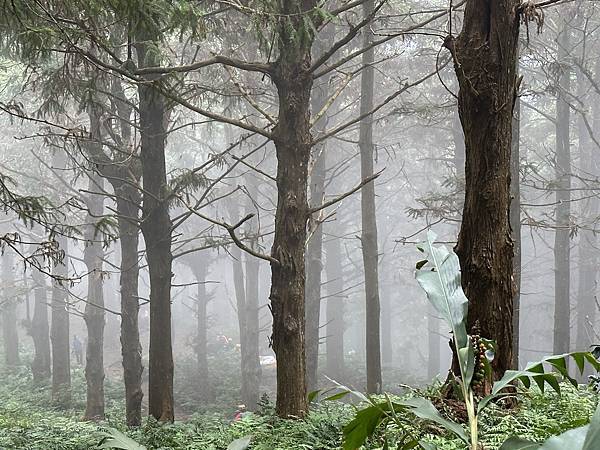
115, 439
586, 437
536, 372
28, 421
439, 276
240, 444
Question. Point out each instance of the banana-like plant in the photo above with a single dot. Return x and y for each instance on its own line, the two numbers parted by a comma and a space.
439, 276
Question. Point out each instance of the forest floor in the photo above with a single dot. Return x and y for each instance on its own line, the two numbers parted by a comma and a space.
28, 421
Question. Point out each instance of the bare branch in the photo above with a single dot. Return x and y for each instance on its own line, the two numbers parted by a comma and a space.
341, 197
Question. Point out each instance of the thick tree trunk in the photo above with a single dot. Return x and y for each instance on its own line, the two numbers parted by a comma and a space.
156, 228
369, 221
485, 56
40, 330
10, 333
314, 251
515, 225
293, 146
334, 342
94, 307
59, 332
562, 241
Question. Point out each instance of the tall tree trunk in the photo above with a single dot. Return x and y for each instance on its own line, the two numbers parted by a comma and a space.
485, 57
10, 333
240, 281
156, 228
369, 220
94, 307
562, 247
59, 332
515, 225
251, 369
40, 330
292, 140
128, 203
314, 251
200, 269
334, 342
125, 178
588, 241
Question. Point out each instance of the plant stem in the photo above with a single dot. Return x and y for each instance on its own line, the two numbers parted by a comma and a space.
470, 405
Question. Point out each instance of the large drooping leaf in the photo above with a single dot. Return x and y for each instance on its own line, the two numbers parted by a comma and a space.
240, 444
114, 439
367, 420
363, 425
439, 276
569, 440
592, 437
537, 373
516, 443
424, 409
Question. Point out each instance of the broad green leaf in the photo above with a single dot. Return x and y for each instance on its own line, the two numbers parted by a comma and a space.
537, 373
363, 425
440, 279
516, 443
240, 444
427, 445
313, 395
338, 396
424, 409
569, 440
582, 438
359, 395
467, 359
114, 439
592, 439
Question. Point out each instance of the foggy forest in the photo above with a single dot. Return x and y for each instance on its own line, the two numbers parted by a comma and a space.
300, 224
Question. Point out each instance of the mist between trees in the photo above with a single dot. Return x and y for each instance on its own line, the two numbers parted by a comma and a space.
207, 202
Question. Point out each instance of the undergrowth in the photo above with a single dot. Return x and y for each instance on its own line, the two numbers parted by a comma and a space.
28, 421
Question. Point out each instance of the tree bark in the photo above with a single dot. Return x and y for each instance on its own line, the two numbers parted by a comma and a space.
40, 330
10, 332
128, 203
369, 220
293, 143
562, 241
124, 176
94, 314
156, 228
485, 57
